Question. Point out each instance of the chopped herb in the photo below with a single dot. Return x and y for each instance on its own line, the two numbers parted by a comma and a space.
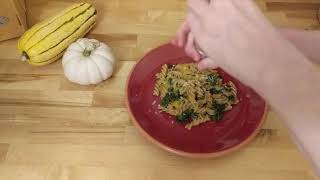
186, 115
219, 109
232, 98
213, 79
214, 91
169, 97
217, 116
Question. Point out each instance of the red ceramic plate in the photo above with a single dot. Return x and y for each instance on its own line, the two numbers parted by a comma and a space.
209, 139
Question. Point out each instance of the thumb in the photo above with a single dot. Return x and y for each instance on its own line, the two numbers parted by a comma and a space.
206, 63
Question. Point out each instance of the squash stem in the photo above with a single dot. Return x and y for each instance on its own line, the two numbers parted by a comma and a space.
24, 56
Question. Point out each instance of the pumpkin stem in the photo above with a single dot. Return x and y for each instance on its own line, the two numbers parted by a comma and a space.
24, 56
86, 52
90, 45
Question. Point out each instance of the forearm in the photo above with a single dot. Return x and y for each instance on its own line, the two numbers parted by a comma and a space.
308, 42
291, 84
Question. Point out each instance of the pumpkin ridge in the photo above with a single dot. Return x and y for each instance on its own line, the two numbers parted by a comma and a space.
98, 68
104, 58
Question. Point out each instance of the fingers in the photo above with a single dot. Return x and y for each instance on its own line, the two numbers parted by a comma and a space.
182, 34
190, 48
198, 6
181, 38
185, 39
206, 64
194, 23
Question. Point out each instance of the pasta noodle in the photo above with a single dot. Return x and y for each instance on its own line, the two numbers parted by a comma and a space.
193, 96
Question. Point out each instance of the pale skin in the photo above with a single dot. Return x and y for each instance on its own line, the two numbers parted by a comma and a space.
277, 63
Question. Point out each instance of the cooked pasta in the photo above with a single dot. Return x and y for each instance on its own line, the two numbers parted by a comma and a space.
193, 96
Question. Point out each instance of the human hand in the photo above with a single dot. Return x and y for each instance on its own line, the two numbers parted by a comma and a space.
235, 34
241, 41
185, 39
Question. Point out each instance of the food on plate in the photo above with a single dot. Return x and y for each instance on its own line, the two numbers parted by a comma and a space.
193, 96
46, 41
88, 61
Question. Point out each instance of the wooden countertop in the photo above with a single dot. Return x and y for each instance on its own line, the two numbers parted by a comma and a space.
51, 129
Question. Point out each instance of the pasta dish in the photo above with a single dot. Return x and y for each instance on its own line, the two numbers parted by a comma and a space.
193, 96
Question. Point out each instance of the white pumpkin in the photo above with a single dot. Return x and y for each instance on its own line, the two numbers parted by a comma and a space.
88, 61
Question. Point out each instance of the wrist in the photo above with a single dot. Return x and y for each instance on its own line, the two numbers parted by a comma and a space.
290, 83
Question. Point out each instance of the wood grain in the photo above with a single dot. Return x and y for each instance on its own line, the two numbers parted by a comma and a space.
51, 129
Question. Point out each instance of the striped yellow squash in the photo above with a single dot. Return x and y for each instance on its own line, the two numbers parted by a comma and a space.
46, 41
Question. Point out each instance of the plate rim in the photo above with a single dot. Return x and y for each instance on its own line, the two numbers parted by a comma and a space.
177, 151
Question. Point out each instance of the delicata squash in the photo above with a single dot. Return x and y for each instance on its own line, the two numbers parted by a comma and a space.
46, 41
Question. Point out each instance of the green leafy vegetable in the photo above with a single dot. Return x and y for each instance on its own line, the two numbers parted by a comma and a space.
169, 97
213, 79
217, 116
186, 115
219, 109
232, 98
214, 91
